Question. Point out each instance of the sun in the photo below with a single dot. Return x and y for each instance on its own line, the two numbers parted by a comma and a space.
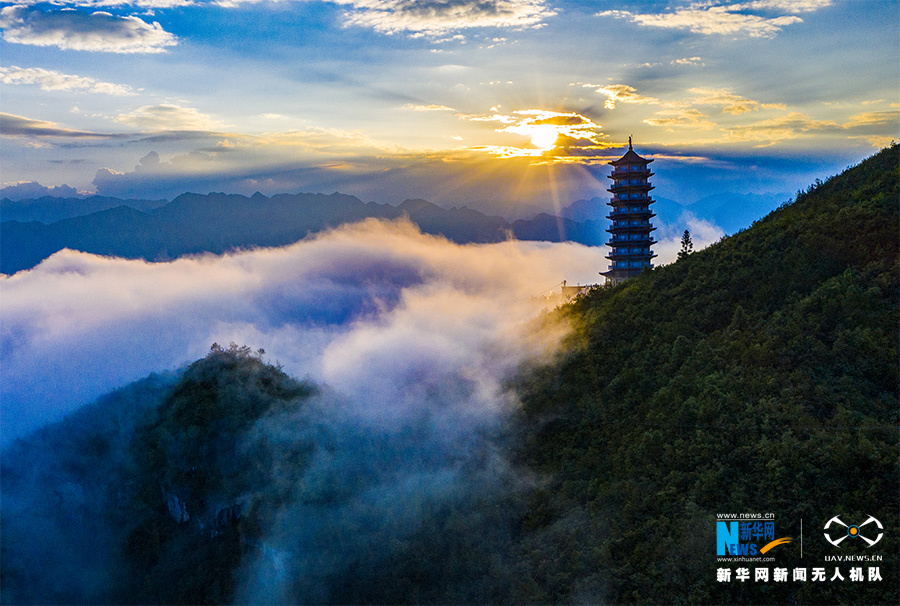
544, 137
546, 131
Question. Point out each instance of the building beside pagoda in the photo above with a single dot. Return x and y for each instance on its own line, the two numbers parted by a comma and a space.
630, 238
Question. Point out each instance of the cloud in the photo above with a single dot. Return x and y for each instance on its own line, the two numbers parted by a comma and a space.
552, 134
12, 125
788, 6
687, 61
51, 80
77, 30
376, 310
272, 162
153, 176
788, 126
412, 340
703, 233
24, 190
428, 108
322, 160
318, 159
722, 19
730, 102
879, 128
874, 119
673, 118
438, 17
144, 4
621, 93
169, 117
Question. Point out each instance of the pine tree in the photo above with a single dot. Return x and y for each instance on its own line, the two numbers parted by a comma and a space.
687, 245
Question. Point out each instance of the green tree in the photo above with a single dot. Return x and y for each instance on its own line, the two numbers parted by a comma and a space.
687, 245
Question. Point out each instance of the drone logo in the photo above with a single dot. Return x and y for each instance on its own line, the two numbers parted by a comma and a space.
854, 531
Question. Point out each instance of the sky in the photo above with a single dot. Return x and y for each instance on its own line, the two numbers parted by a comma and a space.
507, 106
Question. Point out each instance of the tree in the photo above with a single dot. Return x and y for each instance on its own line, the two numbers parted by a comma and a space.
687, 246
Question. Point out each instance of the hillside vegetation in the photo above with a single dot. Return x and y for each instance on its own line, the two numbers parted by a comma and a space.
154, 493
758, 375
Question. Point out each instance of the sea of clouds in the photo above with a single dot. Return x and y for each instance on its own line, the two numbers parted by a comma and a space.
411, 338
376, 310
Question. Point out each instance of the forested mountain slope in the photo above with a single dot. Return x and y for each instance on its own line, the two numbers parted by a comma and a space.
758, 375
153, 493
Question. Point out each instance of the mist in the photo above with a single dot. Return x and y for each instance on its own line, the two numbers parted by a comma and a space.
703, 233
367, 307
410, 341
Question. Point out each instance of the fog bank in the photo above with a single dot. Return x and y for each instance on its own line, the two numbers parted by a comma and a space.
368, 308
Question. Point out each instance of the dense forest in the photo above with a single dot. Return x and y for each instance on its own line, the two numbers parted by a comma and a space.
760, 374
757, 375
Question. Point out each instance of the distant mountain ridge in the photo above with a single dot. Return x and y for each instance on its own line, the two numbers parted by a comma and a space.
34, 229
730, 211
48, 209
218, 222
733, 212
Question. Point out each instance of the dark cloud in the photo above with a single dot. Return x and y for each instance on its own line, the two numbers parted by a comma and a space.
435, 17
78, 30
563, 120
20, 126
574, 146
178, 135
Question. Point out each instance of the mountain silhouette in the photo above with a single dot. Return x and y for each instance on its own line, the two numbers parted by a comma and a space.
218, 222
48, 209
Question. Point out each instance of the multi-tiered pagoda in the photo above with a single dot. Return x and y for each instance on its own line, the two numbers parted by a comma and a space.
630, 240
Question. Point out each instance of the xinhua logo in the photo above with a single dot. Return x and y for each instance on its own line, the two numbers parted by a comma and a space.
750, 538
843, 531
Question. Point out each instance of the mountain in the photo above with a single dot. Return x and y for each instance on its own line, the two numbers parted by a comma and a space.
219, 222
668, 212
458, 224
586, 210
730, 211
49, 209
558, 229
757, 375
154, 478
733, 212
120, 231
33, 229
231, 482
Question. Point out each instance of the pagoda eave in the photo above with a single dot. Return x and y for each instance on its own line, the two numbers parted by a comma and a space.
641, 173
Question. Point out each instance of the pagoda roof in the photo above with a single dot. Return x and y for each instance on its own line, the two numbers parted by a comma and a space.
630, 157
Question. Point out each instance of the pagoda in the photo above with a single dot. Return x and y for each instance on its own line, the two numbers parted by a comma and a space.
630, 215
